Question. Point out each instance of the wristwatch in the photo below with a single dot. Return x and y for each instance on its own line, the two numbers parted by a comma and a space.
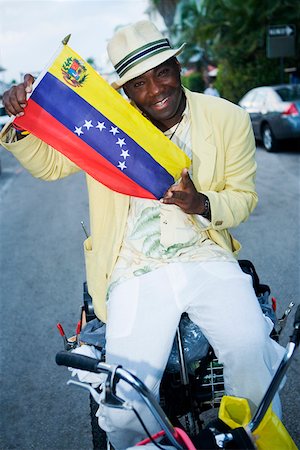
206, 212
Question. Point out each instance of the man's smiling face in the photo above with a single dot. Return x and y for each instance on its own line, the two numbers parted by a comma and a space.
158, 94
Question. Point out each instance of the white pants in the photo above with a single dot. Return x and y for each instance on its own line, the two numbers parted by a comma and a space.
143, 314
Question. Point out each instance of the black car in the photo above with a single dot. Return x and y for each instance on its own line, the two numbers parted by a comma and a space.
274, 113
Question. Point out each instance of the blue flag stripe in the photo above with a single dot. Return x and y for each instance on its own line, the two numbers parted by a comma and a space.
101, 134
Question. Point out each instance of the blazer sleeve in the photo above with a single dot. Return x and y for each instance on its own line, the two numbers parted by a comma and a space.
40, 159
236, 200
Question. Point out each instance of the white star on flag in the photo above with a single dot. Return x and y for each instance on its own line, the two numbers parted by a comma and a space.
114, 130
78, 131
88, 124
101, 126
120, 142
122, 165
124, 154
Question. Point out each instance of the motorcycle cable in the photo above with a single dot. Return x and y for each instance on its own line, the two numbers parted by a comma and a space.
146, 430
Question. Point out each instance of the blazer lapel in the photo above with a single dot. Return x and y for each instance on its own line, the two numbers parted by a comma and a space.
204, 151
204, 160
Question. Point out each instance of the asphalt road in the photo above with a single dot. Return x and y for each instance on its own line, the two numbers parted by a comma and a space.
42, 270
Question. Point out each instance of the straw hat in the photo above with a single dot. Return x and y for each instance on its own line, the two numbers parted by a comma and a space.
137, 48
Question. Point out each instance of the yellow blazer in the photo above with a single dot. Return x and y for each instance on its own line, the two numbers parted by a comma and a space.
224, 168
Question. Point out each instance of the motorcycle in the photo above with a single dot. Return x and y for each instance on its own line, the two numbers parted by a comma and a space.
192, 384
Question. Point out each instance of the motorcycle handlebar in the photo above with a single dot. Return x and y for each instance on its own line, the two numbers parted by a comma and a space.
295, 338
77, 361
65, 358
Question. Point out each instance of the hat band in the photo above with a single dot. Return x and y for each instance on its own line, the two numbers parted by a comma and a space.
141, 54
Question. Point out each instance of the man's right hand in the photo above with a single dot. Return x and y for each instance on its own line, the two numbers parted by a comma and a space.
14, 100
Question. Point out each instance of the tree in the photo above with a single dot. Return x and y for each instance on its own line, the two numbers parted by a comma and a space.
240, 41
91, 61
167, 9
233, 33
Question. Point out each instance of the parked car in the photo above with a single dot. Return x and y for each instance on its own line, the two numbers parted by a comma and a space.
3, 116
274, 113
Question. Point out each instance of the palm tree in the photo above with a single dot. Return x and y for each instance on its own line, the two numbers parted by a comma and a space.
167, 9
233, 33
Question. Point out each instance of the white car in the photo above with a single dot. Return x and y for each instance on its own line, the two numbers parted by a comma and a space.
274, 113
3, 116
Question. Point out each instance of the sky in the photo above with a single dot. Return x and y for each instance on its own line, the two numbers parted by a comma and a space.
32, 30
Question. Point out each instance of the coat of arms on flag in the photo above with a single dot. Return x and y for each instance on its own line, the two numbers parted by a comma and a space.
77, 112
74, 71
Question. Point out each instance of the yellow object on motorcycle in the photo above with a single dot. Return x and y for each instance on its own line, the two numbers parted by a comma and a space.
270, 434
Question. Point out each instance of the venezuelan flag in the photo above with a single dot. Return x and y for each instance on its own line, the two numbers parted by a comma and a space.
77, 112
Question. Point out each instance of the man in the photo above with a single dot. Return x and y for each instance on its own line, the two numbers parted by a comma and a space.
154, 260
211, 90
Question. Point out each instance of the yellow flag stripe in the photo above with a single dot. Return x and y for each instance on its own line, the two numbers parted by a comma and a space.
96, 91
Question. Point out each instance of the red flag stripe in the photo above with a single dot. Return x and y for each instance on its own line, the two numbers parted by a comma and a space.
77, 151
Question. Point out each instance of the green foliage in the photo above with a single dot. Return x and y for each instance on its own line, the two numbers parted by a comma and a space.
233, 34
194, 82
234, 82
91, 61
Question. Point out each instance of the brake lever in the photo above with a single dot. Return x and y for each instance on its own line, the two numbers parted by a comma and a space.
110, 398
88, 387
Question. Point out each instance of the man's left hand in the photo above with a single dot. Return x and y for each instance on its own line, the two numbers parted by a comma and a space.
185, 195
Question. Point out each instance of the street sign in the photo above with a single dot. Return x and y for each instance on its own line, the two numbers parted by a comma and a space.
284, 30
281, 41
